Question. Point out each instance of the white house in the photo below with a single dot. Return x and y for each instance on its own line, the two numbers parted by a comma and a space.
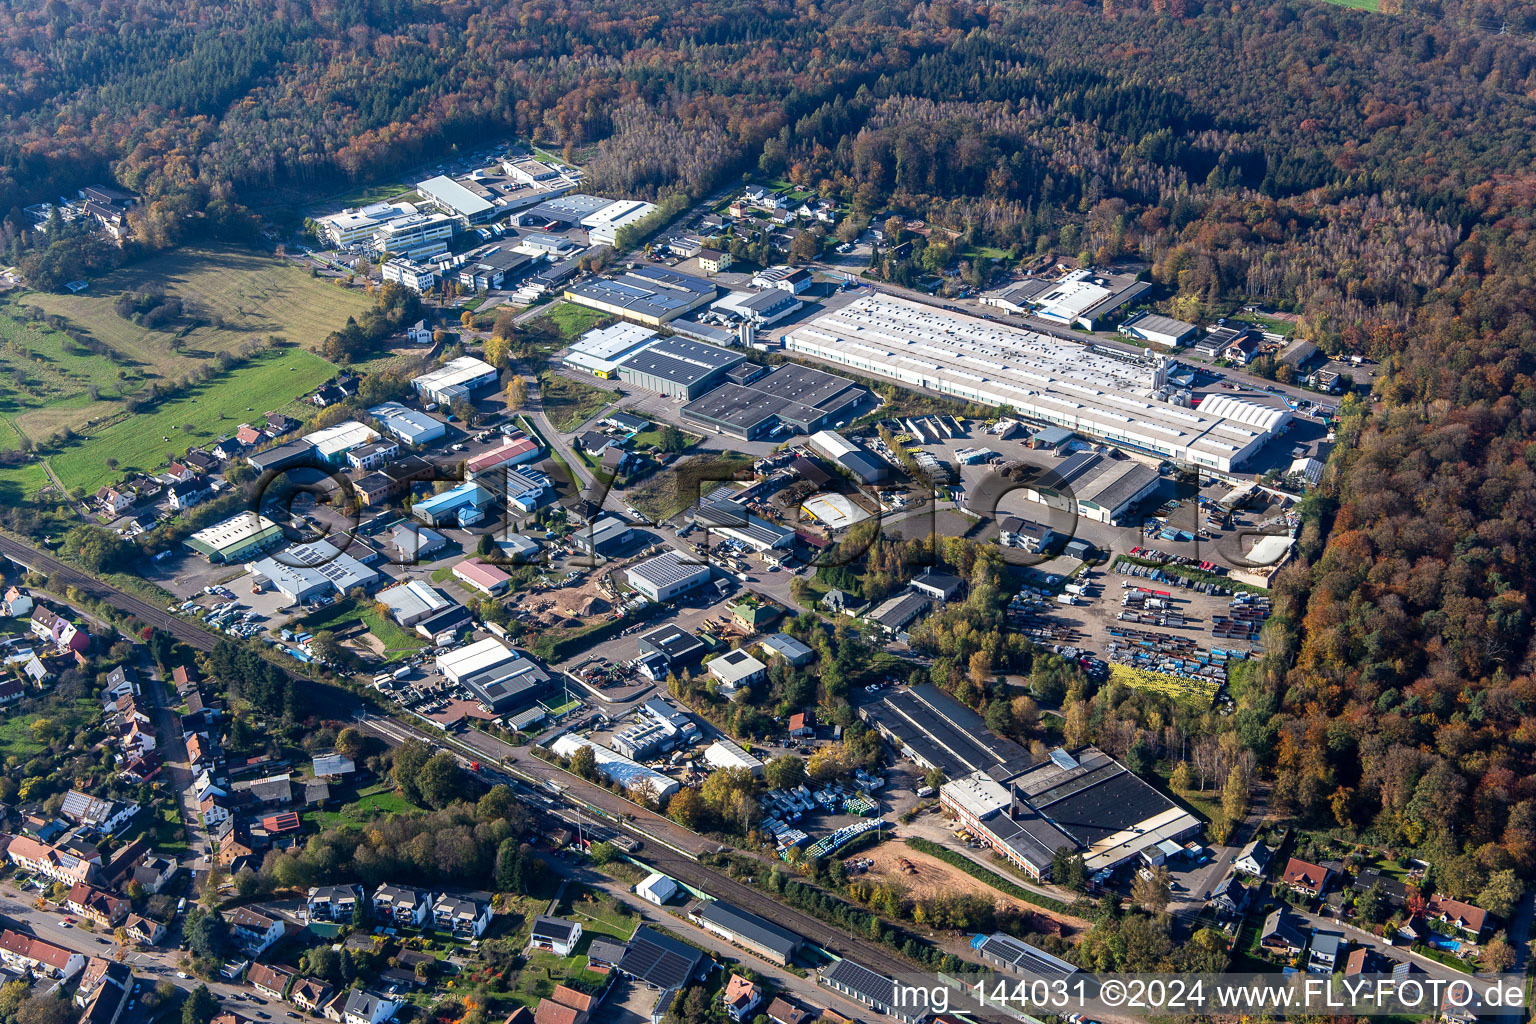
736, 669
555, 935
401, 904
254, 931
17, 603
1253, 859
463, 917
333, 902
364, 1007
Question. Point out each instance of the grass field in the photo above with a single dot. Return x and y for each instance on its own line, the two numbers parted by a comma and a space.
50, 714
398, 642
1358, 5
571, 319
246, 393
569, 403
374, 802
229, 296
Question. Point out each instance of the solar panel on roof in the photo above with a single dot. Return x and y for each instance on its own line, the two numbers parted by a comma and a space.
1063, 759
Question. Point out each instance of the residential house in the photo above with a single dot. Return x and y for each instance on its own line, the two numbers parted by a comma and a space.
1306, 878
565, 1005
1253, 859
740, 998
555, 935
465, 918
1323, 956
57, 630
254, 931
185, 494
177, 473
782, 1011
44, 959
55, 862
17, 603
102, 814
154, 872
309, 994
1229, 897
96, 906
1463, 916
115, 500
364, 1007
146, 931
402, 905
1283, 934
103, 990
334, 902
235, 846
249, 435
271, 980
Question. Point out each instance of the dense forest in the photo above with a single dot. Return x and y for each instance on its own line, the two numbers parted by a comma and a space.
1369, 171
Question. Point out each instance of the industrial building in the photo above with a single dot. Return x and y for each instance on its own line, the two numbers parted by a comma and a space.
736, 669
792, 396
672, 643
876, 991
1019, 957
408, 425
455, 379
633, 776
333, 443
411, 602
1107, 394
500, 677
305, 571
481, 576
1106, 489
601, 350
935, 730
1084, 801
749, 931
678, 367
514, 451
793, 280
727, 518
603, 536
667, 576
850, 455
284, 456
413, 276
647, 295
424, 234
1158, 330
236, 538
1083, 298
658, 728
357, 226
604, 225
464, 505
724, 753
482, 198
495, 268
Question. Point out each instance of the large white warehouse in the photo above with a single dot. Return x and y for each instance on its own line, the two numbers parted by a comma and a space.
1090, 390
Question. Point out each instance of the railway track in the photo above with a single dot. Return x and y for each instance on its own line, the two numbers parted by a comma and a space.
699, 876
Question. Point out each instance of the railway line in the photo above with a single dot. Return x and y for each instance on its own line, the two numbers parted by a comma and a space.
393, 732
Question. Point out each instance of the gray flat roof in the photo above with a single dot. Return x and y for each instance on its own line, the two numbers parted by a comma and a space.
667, 568
681, 361
749, 927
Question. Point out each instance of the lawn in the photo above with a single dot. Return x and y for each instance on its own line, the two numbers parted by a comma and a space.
230, 297
246, 393
398, 642
598, 913
571, 320
569, 403
1358, 5
373, 802
1286, 328
23, 730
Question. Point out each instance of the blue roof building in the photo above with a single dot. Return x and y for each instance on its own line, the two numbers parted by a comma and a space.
452, 506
